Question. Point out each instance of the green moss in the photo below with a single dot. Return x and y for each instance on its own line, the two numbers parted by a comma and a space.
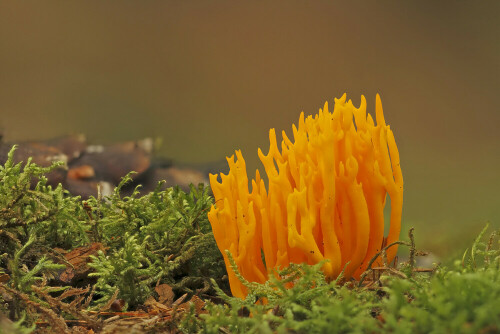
462, 299
165, 237
56, 219
148, 239
154, 238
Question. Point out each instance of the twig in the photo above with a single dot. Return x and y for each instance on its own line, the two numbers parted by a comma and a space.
412, 250
369, 267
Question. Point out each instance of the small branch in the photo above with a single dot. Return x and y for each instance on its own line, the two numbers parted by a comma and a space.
369, 267
412, 249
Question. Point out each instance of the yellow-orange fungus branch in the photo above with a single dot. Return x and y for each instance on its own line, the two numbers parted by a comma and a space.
325, 198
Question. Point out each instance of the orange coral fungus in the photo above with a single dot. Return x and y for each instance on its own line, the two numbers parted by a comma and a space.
325, 200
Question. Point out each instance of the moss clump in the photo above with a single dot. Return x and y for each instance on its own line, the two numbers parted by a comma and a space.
154, 238
461, 299
147, 240
58, 220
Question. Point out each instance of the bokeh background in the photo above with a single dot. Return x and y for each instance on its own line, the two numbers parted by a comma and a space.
209, 77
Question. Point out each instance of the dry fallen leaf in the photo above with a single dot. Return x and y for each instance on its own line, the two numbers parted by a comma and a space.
165, 294
78, 258
4, 278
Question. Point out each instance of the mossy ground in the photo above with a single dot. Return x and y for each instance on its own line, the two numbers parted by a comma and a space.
155, 268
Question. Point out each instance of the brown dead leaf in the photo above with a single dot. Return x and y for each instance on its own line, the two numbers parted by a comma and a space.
165, 294
155, 306
4, 278
78, 259
198, 305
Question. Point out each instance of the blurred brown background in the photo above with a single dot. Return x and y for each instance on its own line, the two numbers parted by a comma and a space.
213, 76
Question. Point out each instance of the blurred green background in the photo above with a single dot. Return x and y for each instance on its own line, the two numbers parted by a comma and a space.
210, 77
